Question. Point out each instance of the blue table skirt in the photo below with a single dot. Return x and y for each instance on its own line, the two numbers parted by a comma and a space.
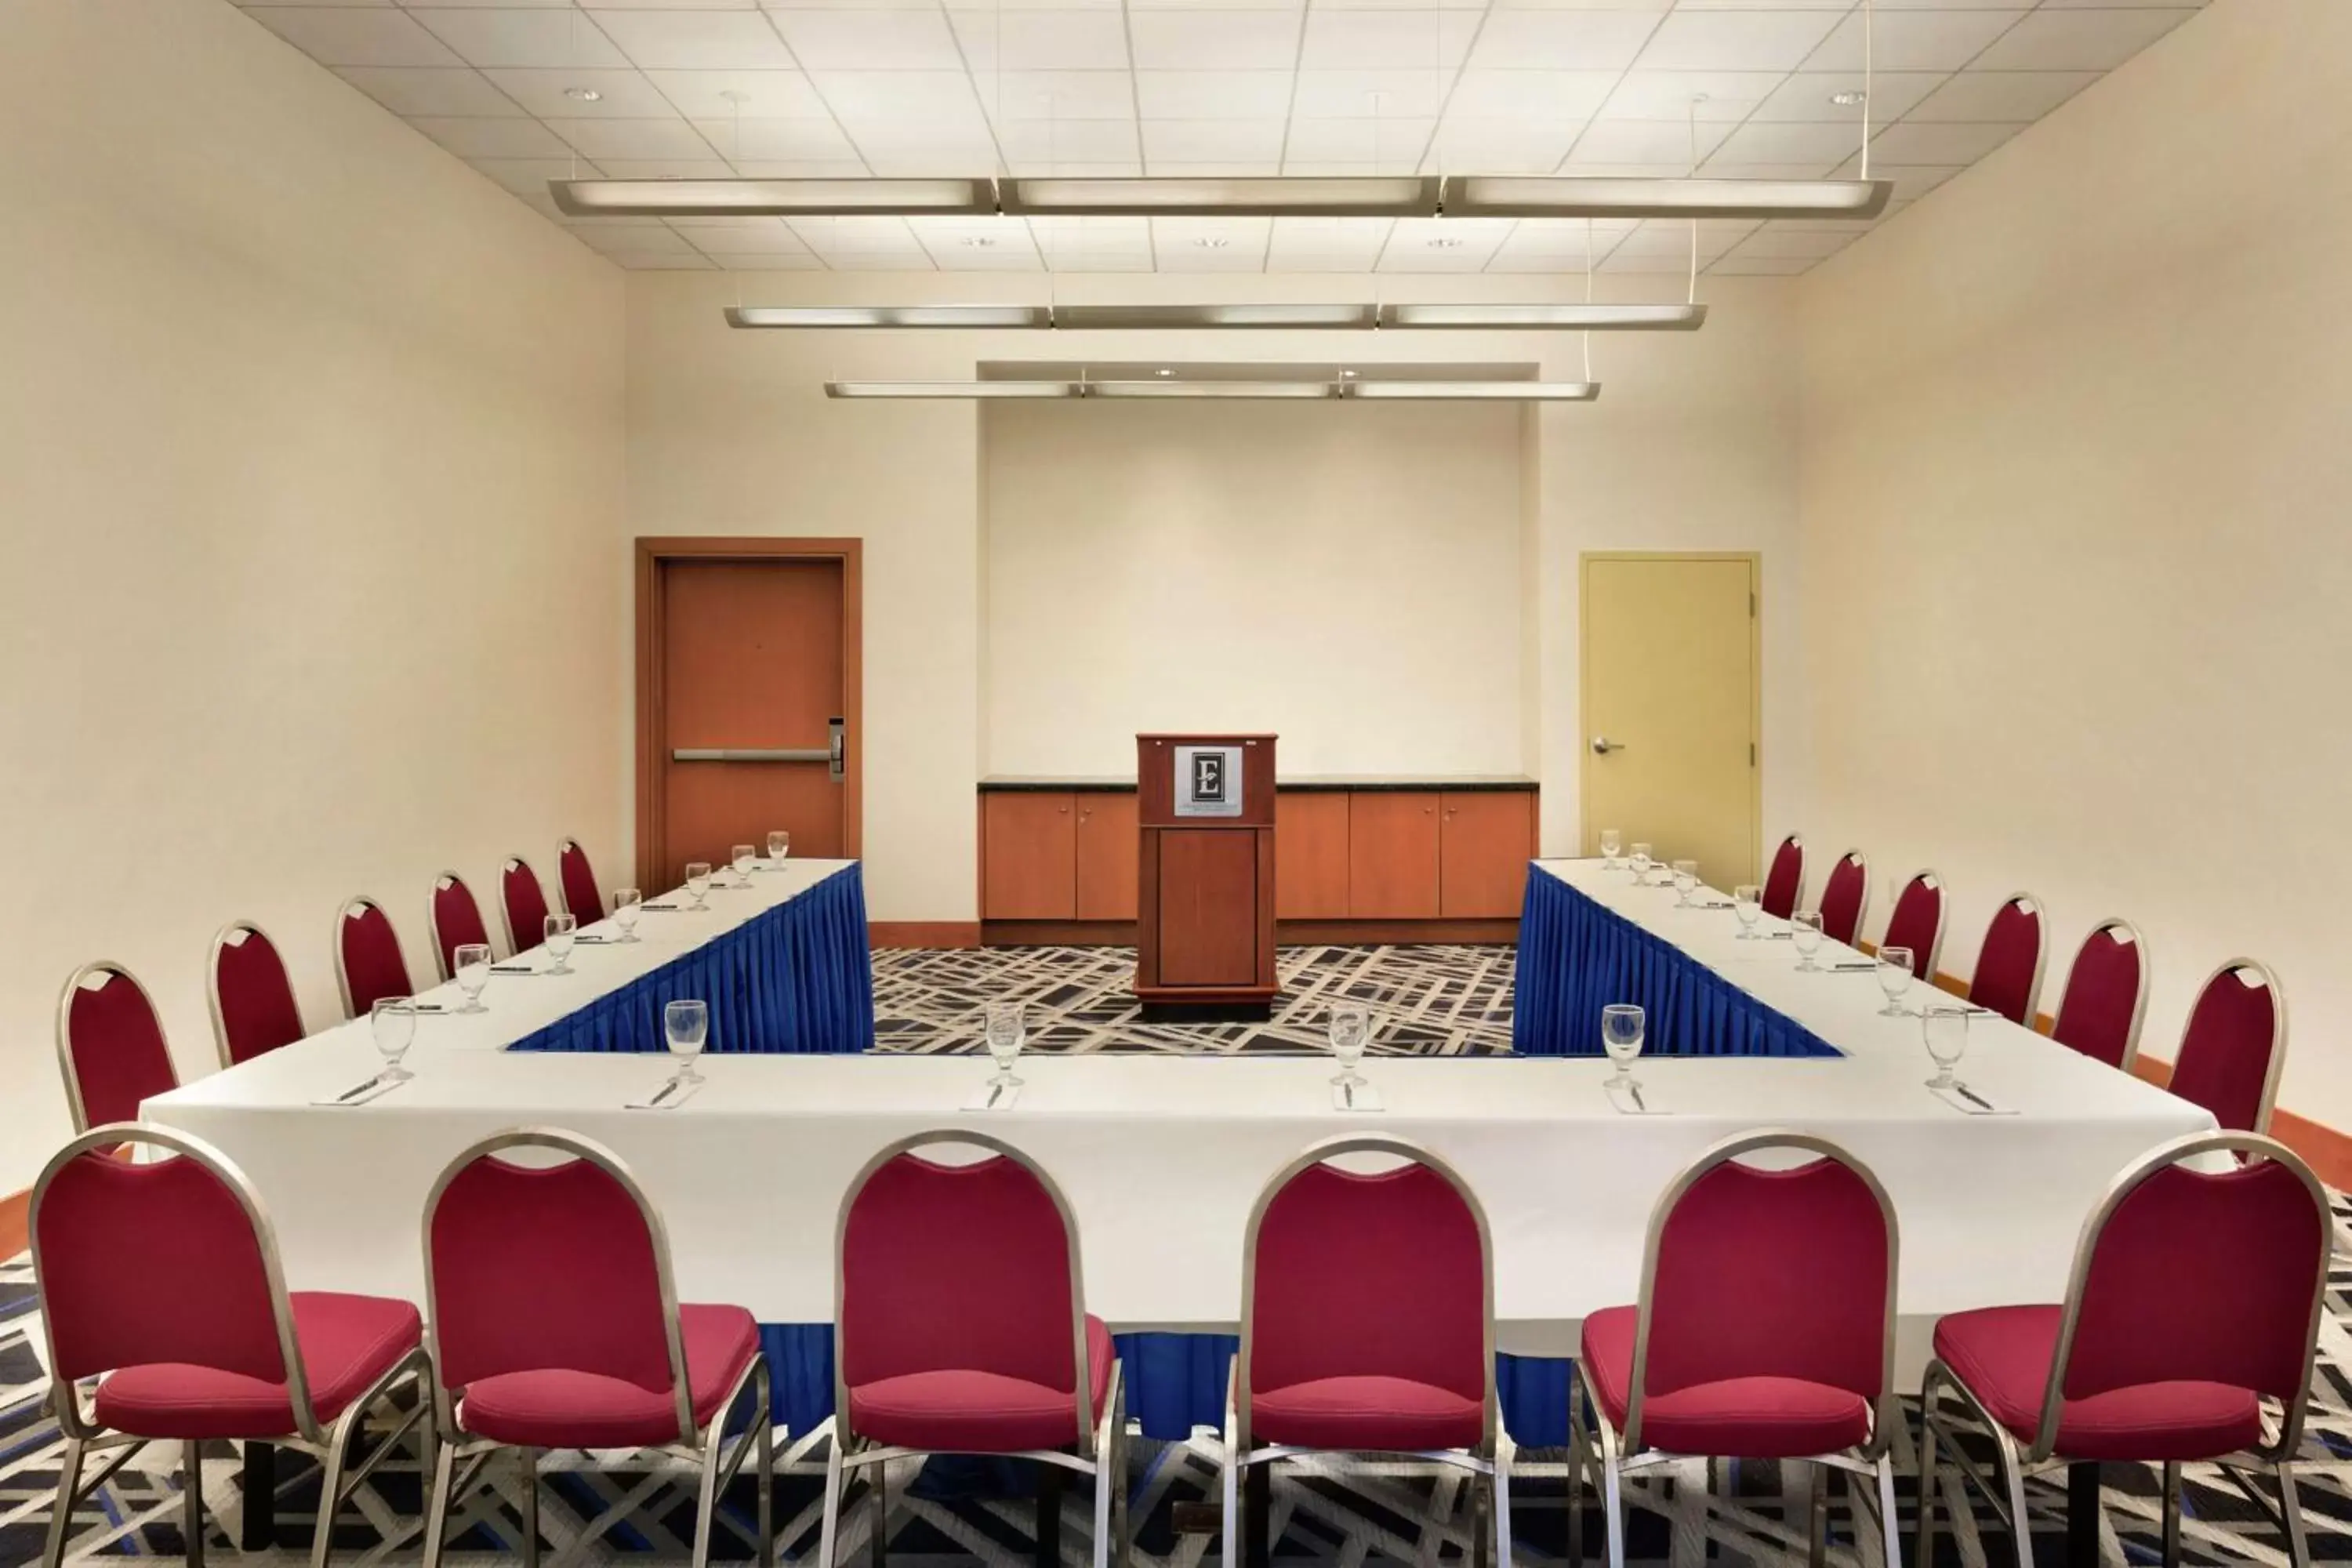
1576, 957
797, 977
1175, 1382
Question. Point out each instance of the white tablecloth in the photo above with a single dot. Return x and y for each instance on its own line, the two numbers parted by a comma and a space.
1162, 1156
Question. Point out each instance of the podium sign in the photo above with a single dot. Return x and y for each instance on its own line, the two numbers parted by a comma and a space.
1204, 925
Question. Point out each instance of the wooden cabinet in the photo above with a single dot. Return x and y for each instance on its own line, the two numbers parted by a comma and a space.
1485, 840
1029, 847
1106, 855
1310, 856
1392, 855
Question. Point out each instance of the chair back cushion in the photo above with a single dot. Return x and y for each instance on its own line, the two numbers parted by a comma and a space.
2225, 1052
1841, 903
372, 965
116, 1045
456, 922
2010, 960
958, 1267
2202, 1277
1359, 1276
576, 880
1917, 922
2102, 992
1771, 1274
141, 1264
254, 995
526, 905
1786, 881
544, 1268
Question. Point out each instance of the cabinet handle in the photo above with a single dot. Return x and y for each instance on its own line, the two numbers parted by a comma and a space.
1063, 809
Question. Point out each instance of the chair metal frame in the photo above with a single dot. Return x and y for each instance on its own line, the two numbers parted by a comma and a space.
2013, 1468
2041, 912
2139, 1003
343, 972
1496, 1451
1101, 1446
106, 966
86, 1437
212, 984
1862, 906
1797, 900
703, 1446
2276, 1066
563, 894
441, 884
1934, 956
1618, 1456
515, 946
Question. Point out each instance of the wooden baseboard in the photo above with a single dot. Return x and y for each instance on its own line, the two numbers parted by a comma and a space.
1313, 934
15, 1222
1057, 933
922, 934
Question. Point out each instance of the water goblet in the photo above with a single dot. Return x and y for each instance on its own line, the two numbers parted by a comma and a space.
1894, 979
1746, 905
560, 929
741, 857
392, 1020
686, 1026
780, 844
471, 966
1946, 1031
1806, 927
1686, 882
1350, 1028
697, 881
1621, 1027
1640, 864
1610, 844
624, 912
1004, 1030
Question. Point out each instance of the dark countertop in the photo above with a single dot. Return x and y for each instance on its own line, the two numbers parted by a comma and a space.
1327, 784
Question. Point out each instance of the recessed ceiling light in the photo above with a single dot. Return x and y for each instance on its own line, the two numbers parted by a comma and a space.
1850, 99
1446, 242
583, 94
978, 241
1212, 242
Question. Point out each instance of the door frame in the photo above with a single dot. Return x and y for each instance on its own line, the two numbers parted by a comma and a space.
652, 554
1755, 562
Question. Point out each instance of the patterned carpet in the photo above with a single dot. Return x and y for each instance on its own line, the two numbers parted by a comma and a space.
1436, 1000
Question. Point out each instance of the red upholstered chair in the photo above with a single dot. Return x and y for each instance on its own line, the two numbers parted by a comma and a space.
252, 997
523, 903
368, 962
455, 921
2007, 975
2234, 1047
963, 1327
2105, 998
1784, 885
2195, 1296
110, 1046
1917, 922
1368, 1324
576, 880
556, 1325
1765, 1329
1845, 899
161, 1281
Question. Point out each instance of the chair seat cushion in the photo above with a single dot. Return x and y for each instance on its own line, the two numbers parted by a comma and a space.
556, 1407
2002, 1355
1366, 1413
1759, 1417
346, 1344
964, 1411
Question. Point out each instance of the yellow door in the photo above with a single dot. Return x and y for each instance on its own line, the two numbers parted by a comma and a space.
1669, 739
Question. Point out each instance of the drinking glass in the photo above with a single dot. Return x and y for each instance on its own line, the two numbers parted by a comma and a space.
780, 844
1686, 880
1004, 1030
472, 963
1747, 904
1621, 1025
743, 857
1894, 979
1350, 1026
697, 881
1610, 844
686, 1026
624, 912
1945, 1030
1806, 928
1640, 863
560, 929
393, 1020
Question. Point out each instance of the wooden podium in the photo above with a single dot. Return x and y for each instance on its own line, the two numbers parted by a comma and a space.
1204, 908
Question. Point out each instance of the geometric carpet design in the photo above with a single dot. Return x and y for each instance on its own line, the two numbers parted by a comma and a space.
1341, 1512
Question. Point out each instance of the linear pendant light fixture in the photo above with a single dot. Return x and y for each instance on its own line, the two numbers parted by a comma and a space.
763, 198
1303, 391
1166, 197
1586, 317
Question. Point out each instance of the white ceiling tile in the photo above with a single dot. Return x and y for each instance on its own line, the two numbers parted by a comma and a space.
1762, 267
1212, 141
1736, 40
1975, 95
1485, 92
1669, 95
1810, 95
558, 39
1565, 241
747, 236
1132, 169
1929, 142
1210, 244
799, 169
1911, 181
825, 235
529, 176
985, 258
1215, 40
1082, 234
2079, 40
356, 36
1610, 140
1789, 143
511, 138
1627, 171
1727, 168
1941, 40
870, 40
1675, 239
1373, 143
1369, 94
1563, 40
646, 237
660, 261
1069, 141
637, 4
264, 5
1057, 95
1446, 248
885, 100
1042, 40
696, 40
1502, 146
621, 94
1373, 40
1645, 263
664, 168
764, 94
1809, 243
780, 261
775, 141
604, 138
1212, 95
409, 90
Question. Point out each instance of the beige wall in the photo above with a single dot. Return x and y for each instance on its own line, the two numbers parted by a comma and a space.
1347, 578
309, 469
2077, 503
1692, 447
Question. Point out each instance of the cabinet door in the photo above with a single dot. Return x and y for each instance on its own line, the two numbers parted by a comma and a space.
1030, 843
1485, 840
1310, 856
1392, 856
1107, 856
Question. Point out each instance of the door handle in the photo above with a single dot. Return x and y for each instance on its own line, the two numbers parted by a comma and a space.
1603, 745
751, 754
837, 749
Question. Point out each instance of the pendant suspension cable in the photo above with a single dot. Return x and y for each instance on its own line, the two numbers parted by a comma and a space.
1696, 99
1588, 296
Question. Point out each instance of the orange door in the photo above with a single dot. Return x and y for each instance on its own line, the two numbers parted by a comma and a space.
1392, 856
751, 688
1484, 840
1109, 854
1029, 841
1310, 856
